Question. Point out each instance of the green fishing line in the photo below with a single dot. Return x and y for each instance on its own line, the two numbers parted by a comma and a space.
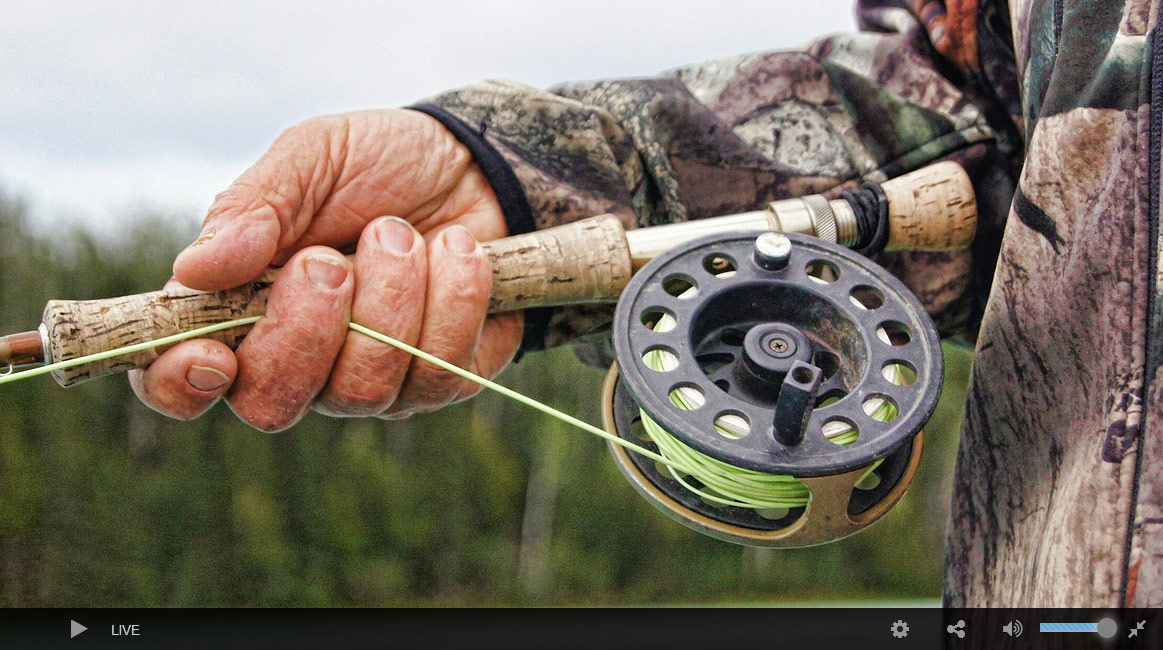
725, 484
129, 349
383, 338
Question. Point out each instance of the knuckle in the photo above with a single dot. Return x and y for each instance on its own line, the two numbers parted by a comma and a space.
267, 422
267, 408
356, 396
335, 407
324, 138
365, 381
448, 155
429, 387
236, 199
275, 200
480, 269
399, 297
396, 415
510, 327
476, 286
468, 390
267, 427
312, 126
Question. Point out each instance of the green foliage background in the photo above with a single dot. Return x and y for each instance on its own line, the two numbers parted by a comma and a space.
104, 503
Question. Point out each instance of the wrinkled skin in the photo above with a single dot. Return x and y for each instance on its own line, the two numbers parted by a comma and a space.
1057, 497
406, 196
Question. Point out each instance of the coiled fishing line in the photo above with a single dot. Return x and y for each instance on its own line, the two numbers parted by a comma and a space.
724, 484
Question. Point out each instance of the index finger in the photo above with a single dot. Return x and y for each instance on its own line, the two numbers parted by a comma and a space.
266, 209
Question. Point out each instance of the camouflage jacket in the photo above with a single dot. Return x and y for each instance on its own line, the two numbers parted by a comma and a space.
1048, 104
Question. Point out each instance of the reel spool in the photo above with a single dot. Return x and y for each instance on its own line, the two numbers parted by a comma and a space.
782, 354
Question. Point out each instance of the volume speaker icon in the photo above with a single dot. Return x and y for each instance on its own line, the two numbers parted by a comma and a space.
1013, 628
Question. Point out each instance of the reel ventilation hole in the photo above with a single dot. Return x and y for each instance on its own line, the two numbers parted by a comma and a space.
793, 374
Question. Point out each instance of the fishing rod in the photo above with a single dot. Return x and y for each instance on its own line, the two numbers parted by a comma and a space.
770, 384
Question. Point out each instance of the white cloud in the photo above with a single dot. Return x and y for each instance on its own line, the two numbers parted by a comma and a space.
114, 104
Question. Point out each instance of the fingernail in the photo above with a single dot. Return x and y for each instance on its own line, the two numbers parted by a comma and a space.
206, 379
326, 271
395, 235
459, 240
205, 236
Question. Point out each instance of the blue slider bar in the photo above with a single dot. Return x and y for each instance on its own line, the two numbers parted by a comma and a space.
1068, 627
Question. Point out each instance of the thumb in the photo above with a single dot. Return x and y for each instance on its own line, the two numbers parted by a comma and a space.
266, 210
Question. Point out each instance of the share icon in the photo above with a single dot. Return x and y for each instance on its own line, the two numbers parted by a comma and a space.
958, 629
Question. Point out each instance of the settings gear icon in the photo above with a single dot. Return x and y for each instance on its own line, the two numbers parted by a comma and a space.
900, 629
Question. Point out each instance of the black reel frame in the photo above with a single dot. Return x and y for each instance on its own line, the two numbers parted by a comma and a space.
794, 340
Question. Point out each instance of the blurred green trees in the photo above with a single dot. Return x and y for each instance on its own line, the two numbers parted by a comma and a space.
104, 503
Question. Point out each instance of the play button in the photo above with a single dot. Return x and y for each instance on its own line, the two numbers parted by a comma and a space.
75, 628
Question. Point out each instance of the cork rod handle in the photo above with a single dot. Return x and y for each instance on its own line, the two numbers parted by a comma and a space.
585, 261
931, 209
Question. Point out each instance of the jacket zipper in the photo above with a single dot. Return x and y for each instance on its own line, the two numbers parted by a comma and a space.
1058, 8
1154, 346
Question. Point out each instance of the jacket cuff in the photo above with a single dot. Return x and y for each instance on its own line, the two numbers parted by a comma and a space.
510, 195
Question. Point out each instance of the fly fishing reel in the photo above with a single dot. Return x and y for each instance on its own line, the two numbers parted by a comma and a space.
787, 378
773, 386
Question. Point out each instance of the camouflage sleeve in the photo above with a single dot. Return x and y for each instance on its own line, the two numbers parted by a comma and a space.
729, 135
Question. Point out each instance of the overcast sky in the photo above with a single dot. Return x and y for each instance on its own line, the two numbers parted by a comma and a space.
109, 107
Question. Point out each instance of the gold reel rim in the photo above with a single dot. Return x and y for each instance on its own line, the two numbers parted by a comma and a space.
826, 524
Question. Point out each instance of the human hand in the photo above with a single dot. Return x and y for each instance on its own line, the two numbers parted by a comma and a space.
406, 195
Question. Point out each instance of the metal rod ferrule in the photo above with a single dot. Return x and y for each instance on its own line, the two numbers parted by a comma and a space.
830, 220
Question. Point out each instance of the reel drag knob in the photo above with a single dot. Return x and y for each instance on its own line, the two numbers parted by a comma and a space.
772, 359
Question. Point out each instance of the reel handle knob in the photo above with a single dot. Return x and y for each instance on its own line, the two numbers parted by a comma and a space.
794, 406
